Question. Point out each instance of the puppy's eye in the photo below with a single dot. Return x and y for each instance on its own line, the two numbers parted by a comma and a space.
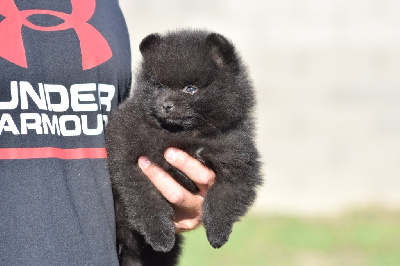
161, 88
190, 89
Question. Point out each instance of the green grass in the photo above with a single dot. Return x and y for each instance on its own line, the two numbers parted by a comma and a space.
357, 238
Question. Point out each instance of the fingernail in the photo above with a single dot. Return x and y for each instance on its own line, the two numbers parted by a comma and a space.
144, 162
171, 154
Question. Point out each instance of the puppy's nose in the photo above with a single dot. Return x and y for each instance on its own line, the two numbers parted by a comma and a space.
168, 106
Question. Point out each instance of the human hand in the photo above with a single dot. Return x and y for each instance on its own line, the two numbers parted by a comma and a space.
187, 207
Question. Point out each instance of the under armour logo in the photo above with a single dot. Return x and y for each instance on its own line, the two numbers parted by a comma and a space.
94, 48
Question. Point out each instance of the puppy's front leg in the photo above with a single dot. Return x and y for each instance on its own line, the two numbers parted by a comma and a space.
228, 199
147, 211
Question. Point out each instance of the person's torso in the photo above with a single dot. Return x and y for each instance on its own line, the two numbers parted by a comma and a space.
64, 65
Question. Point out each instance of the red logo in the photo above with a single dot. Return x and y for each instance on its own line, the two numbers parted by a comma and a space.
94, 48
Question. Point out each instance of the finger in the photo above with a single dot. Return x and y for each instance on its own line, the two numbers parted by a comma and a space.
201, 175
168, 187
188, 224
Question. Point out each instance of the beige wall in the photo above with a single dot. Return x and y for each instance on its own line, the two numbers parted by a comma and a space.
327, 74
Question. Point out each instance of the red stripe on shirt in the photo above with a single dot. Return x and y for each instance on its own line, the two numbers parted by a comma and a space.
51, 152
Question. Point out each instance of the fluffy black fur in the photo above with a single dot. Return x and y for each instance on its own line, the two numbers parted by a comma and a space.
192, 92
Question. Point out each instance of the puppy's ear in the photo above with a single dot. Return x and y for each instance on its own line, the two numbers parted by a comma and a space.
149, 42
222, 51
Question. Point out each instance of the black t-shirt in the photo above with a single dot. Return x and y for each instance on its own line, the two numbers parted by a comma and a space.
64, 65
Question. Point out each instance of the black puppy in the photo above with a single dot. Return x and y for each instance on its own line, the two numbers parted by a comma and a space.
193, 93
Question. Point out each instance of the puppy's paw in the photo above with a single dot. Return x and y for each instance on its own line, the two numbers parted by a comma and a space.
160, 234
218, 232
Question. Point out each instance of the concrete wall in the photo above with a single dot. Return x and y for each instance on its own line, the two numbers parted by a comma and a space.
327, 73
